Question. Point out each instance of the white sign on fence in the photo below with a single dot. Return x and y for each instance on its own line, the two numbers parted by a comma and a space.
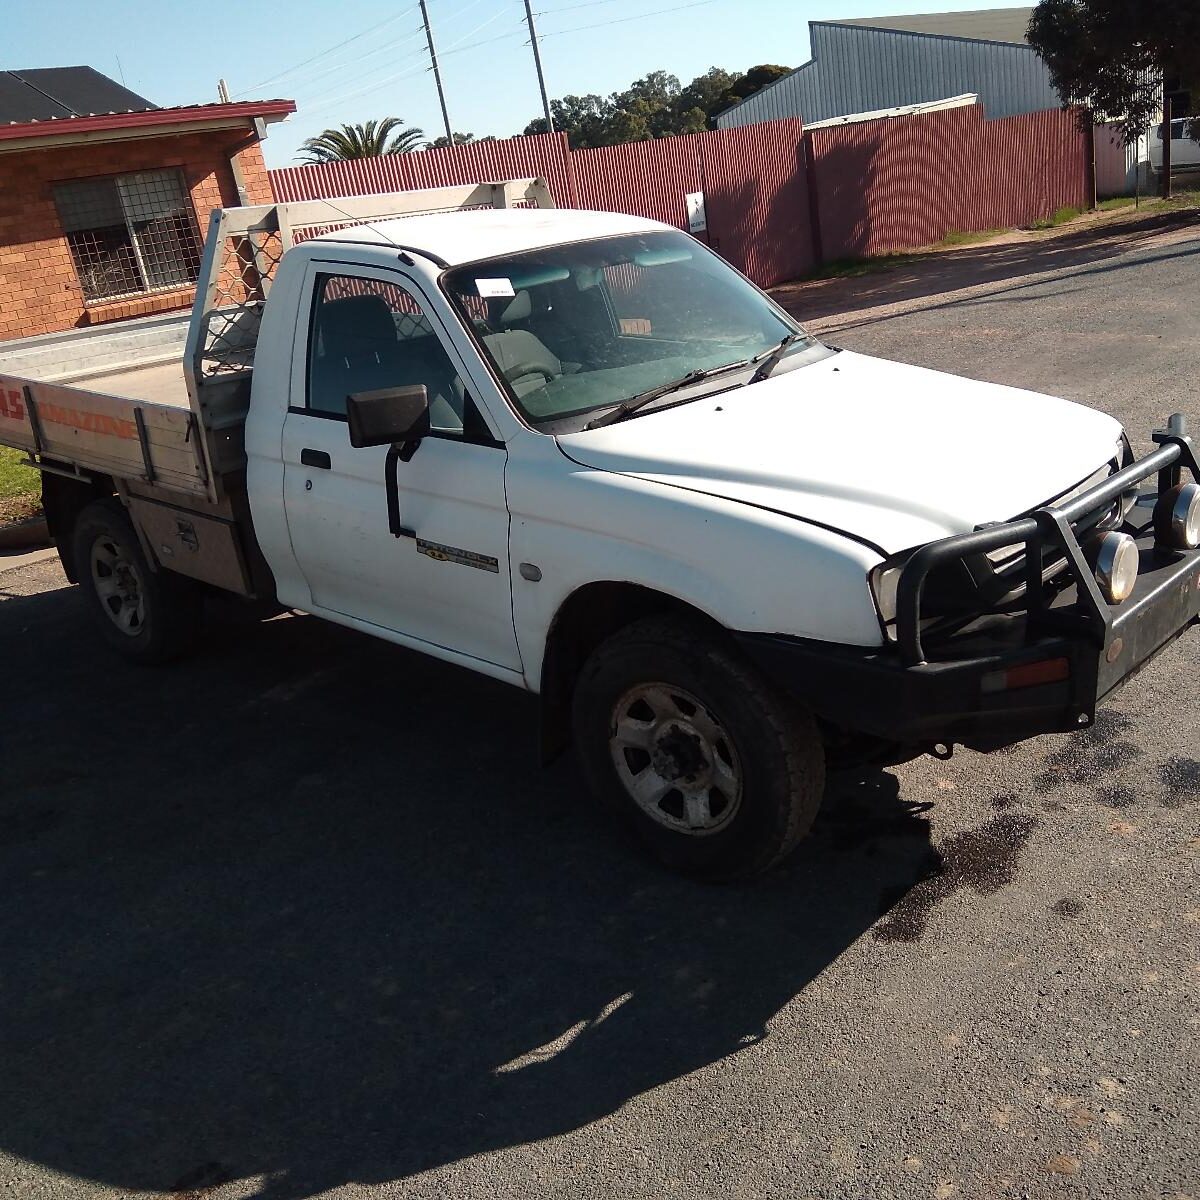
697, 221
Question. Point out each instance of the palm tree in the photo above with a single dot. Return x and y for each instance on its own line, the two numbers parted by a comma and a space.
370, 140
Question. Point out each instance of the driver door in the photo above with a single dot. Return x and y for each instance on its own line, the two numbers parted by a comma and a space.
446, 582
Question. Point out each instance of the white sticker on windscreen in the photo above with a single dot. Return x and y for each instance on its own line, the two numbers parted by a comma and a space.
494, 289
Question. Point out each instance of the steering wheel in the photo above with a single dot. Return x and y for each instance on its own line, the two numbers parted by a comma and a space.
512, 374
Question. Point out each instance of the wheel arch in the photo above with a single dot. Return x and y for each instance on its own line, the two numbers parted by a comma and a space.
63, 499
588, 616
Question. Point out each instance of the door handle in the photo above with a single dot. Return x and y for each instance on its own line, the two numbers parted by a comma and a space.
315, 458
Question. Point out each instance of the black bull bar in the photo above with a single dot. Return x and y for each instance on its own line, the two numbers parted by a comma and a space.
1047, 526
990, 688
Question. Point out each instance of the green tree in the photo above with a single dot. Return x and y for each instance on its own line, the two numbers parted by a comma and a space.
584, 119
460, 139
654, 106
374, 139
698, 104
752, 81
647, 108
1111, 55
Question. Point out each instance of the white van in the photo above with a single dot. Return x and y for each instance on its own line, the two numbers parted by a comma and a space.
1185, 150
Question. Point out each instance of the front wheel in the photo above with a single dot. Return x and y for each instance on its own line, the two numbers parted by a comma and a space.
146, 616
718, 773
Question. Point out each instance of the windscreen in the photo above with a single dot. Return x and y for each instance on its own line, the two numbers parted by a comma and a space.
578, 328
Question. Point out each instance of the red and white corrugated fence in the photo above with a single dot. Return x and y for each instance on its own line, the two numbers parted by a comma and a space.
778, 200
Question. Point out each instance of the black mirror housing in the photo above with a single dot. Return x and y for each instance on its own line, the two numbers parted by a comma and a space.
388, 416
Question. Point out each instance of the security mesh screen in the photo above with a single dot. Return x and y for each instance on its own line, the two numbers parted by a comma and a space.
129, 233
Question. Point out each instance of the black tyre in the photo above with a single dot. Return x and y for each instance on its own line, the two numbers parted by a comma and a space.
145, 616
719, 773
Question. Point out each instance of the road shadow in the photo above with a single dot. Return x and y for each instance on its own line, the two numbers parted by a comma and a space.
304, 909
931, 275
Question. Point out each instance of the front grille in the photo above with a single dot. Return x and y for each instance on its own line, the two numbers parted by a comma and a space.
1007, 563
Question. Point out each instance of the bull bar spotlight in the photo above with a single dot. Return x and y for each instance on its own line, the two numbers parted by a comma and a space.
1113, 558
1177, 517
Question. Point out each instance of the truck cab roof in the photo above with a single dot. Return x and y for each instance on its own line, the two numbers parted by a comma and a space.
466, 236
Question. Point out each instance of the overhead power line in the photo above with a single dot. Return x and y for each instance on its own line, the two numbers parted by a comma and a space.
330, 50
553, 12
356, 63
622, 20
329, 98
500, 37
335, 90
478, 28
359, 74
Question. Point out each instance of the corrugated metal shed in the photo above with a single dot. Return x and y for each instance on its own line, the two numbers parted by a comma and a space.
984, 24
856, 68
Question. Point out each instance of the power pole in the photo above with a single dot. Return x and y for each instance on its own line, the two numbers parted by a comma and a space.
537, 62
437, 75
1165, 181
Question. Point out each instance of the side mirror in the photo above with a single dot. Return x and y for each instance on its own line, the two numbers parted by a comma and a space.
388, 416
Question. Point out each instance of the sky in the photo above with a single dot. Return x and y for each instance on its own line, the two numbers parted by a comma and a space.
354, 60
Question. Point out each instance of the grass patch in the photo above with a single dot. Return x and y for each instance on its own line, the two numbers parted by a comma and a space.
1182, 198
15, 479
20, 487
1060, 217
968, 237
852, 268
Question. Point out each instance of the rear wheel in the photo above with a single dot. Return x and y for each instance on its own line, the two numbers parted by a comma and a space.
717, 772
146, 616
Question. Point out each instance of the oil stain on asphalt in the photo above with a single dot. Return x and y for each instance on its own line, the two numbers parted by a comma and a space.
1181, 778
982, 859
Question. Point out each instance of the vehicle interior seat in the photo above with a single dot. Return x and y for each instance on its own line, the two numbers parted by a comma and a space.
359, 349
524, 359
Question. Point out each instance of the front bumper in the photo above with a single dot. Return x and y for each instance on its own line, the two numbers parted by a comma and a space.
983, 686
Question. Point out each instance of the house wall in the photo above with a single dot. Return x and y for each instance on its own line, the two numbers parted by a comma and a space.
859, 69
39, 289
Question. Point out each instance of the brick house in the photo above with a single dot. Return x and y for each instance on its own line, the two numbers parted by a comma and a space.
104, 197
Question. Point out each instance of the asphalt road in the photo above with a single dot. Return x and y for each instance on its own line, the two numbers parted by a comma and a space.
303, 916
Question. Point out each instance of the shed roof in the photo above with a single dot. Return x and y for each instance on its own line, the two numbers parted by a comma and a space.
982, 24
48, 92
58, 106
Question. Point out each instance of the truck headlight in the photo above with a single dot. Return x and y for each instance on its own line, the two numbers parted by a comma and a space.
1113, 558
1177, 517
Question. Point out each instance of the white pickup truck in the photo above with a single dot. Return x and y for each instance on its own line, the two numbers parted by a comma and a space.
578, 452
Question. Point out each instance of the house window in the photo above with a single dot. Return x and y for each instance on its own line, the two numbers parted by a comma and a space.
130, 233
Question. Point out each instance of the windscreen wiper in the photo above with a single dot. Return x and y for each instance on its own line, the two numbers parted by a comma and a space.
629, 407
768, 361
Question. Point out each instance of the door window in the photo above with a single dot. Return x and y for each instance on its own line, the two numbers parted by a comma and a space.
368, 334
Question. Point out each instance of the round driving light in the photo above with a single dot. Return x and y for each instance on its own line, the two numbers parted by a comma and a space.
1177, 517
1114, 558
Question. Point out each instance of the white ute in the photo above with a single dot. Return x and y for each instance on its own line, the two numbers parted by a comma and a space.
578, 452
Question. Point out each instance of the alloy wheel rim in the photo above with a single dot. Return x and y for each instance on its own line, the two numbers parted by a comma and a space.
675, 759
119, 586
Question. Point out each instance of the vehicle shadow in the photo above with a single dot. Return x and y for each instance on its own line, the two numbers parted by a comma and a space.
303, 908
